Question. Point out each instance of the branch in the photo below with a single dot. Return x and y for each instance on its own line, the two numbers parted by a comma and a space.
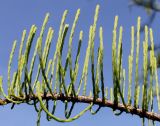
23, 89
152, 4
86, 99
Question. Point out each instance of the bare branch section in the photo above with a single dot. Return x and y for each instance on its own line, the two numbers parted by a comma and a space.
86, 99
149, 4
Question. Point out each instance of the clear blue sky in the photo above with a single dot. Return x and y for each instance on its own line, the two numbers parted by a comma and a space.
16, 15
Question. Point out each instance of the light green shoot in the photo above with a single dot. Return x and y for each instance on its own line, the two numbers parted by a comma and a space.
10, 63
137, 63
130, 66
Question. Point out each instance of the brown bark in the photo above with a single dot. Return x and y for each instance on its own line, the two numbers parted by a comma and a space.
85, 99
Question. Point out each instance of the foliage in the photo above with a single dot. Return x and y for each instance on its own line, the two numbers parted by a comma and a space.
49, 85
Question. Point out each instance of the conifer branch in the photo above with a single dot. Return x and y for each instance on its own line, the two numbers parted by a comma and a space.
51, 85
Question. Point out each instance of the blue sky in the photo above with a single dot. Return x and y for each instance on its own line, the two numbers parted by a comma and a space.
21, 14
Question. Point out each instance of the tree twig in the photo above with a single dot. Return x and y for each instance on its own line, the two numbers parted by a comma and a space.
86, 99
